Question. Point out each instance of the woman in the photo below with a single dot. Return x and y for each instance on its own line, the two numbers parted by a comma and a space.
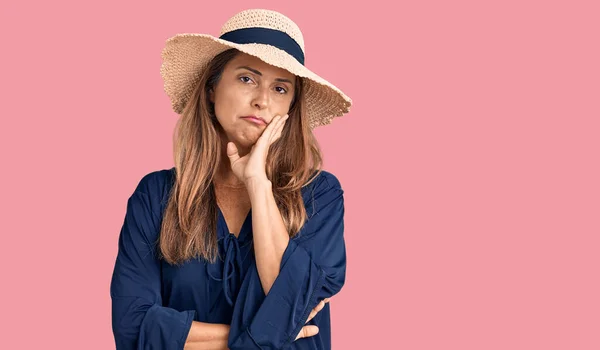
240, 245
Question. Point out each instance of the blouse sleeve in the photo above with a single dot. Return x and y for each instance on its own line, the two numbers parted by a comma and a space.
139, 321
313, 267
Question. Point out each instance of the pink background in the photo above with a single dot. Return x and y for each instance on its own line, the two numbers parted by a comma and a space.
470, 164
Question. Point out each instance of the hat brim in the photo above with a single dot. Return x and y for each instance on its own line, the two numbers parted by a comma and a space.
186, 55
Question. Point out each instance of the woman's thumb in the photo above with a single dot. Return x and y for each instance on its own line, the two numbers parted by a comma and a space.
232, 152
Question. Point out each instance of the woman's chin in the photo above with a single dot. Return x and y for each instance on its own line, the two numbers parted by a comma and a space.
243, 144
248, 138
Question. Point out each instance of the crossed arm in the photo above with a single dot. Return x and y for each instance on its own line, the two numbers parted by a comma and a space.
203, 336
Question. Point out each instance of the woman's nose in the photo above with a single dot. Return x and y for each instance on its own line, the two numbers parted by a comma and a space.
261, 99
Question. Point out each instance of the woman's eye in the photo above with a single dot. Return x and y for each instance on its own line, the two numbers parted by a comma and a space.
284, 90
242, 78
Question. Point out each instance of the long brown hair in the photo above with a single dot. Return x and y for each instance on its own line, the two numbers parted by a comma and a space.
189, 226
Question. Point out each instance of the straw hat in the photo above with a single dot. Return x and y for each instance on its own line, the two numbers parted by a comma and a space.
266, 34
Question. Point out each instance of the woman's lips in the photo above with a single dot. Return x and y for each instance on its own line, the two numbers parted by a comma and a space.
255, 120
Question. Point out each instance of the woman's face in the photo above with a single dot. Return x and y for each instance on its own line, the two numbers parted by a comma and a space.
250, 87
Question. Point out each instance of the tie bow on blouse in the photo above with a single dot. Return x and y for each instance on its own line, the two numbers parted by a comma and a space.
230, 251
233, 251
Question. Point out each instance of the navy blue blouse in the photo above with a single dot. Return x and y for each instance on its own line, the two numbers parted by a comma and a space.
154, 303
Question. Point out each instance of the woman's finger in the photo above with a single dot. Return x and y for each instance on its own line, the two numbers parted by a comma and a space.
307, 331
277, 129
268, 132
314, 311
280, 129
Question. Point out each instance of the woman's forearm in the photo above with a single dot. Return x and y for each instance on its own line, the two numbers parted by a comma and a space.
269, 232
207, 336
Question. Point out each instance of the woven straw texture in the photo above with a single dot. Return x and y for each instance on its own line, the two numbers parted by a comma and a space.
186, 55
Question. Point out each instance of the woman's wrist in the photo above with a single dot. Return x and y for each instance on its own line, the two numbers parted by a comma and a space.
254, 185
204, 335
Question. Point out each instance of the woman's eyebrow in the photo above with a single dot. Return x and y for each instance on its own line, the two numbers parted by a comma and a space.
259, 73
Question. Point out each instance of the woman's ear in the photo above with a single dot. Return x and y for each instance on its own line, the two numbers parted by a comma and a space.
211, 95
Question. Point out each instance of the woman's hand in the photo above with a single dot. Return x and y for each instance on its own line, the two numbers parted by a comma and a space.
309, 331
253, 165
